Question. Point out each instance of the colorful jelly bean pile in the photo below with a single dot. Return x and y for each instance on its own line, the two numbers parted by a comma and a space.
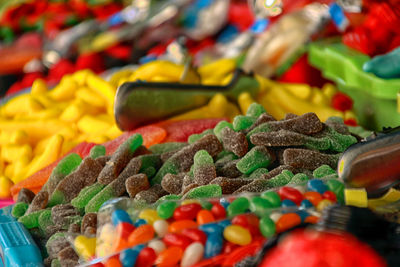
190, 231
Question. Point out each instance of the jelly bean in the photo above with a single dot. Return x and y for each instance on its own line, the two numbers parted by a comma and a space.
193, 254
140, 235
206, 205
329, 195
286, 203
113, 262
317, 186
169, 257
178, 226
85, 246
189, 201
311, 219
146, 257
211, 229
187, 212
204, 216
224, 223
338, 188
125, 229
166, 209
290, 193
119, 216
229, 247
195, 234
287, 221
306, 204
259, 205
273, 198
267, 227
218, 211
213, 246
140, 222
157, 245
177, 240
324, 204
237, 235
303, 214
238, 206
128, 257
313, 197
248, 221
149, 215
275, 216
160, 227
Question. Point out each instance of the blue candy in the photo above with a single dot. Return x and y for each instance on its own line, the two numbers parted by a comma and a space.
213, 246
225, 203
224, 223
303, 214
119, 216
306, 204
286, 203
140, 222
212, 229
128, 257
317, 185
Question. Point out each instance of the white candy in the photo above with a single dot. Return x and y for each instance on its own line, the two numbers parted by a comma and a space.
275, 216
192, 255
160, 227
157, 245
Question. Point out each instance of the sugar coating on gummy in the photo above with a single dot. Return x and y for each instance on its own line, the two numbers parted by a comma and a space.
255, 110
229, 169
19, 209
205, 191
89, 220
203, 168
172, 183
166, 147
102, 160
119, 159
235, 142
136, 184
323, 171
31, 220
263, 118
241, 122
194, 137
65, 214
25, 195
299, 178
86, 195
221, 125
39, 202
258, 173
309, 159
229, 185
257, 157
97, 151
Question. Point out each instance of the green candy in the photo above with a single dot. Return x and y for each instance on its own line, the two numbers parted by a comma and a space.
255, 110
336, 187
151, 160
299, 178
55, 263
281, 179
259, 206
205, 191
339, 142
273, 198
168, 167
323, 171
166, 209
238, 206
31, 220
225, 156
67, 165
221, 125
99, 199
264, 127
267, 227
19, 209
166, 147
149, 171
86, 195
257, 157
360, 131
194, 137
167, 197
45, 220
241, 122
258, 173
206, 205
202, 158
97, 151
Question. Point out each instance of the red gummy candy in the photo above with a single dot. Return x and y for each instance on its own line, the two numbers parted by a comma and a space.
359, 39
342, 102
91, 61
61, 68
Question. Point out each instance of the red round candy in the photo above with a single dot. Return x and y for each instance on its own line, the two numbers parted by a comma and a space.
290, 193
195, 234
146, 257
330, 196
229, 247
124, 229
342, 102
218, 211
177, 240
187, 212
248, 221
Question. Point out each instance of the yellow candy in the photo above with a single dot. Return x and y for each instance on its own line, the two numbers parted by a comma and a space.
17, 105
302, 91
9, 170
5, 137
356, 197
2, 166
149, 215
80, 77
114, 80
20, 166
90, 97
391, 196
19, 137
39, 87
324, 204
329, 90
350, 115
245, 100
92, 125
72, 113
272, 108
65, 90
217, 68
237, 235
106, 240
86, 247
189, 201
96, 138
113, 132
34, 105
5, 185
319, 98
105, 89
11, 153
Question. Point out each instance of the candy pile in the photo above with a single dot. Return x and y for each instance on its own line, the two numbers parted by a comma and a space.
253, 154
